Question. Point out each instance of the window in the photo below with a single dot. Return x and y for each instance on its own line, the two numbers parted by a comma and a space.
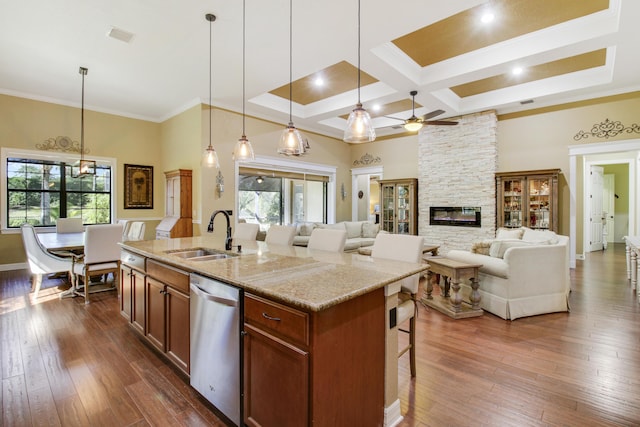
41, 190
286, 195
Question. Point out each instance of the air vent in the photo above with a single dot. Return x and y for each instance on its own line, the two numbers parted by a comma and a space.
122, 35
528, 101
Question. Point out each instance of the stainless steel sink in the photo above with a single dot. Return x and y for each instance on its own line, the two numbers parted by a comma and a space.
201, 254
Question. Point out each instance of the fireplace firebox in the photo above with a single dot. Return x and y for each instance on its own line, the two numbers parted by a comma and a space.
459, 216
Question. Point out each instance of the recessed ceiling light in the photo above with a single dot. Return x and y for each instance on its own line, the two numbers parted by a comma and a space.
319, 81
376, 107
517, 71
487, 17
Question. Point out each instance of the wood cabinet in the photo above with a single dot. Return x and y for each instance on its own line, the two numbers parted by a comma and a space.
178, 206
399, 206
132, 278
314, 368
167, 312
527, 198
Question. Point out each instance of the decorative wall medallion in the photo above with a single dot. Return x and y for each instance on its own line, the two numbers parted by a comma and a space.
367, 159
61, 143
607, 129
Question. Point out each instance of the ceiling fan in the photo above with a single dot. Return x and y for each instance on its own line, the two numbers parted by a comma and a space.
414, 123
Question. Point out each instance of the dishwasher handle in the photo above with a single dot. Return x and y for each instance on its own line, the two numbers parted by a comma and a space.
214, 298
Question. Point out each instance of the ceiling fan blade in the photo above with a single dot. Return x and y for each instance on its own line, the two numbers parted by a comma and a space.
439, 123
432, 114
394, 118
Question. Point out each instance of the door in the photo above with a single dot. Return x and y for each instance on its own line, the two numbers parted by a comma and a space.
608, 208
178, 328
595, 211
156, 314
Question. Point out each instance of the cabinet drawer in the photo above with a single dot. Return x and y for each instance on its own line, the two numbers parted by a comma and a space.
173, 277
279, 320
133, 260
162, 235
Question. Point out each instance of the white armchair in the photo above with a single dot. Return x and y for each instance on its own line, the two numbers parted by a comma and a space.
326, 239
101, 257
40, 260
69, 225
135, 231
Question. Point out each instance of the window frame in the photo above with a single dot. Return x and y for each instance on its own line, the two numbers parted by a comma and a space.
49, 156
283, 165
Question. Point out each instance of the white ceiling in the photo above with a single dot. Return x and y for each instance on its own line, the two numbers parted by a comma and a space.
164, 70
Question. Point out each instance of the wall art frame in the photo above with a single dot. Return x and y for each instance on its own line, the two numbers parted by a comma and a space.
138, 187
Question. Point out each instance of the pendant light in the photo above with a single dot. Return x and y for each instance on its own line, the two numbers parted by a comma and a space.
243, 150
359, 127
210, 157
83, 167
291, 142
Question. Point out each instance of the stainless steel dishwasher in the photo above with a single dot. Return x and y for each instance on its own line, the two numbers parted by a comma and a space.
216, 315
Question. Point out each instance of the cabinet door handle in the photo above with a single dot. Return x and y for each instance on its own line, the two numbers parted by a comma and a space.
266, 316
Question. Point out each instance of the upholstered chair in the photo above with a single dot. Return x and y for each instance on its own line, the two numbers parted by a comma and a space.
69, 225
101, 257
327, 239
403, 247
246, 231
125, 227
40, 260
135, 231
280, 235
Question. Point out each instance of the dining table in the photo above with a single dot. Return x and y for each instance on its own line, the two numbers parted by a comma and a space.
60, 242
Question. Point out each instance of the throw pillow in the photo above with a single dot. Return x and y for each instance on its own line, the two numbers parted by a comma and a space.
370, 230
354, 229
306, 229
481, 247
499, 247
338, 226
509, 233
537, 236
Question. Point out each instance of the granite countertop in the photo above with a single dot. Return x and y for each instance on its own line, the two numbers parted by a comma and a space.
307, 279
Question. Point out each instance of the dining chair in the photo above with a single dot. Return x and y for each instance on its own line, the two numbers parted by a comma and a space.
125, 227
403, 247
280, 235
135, 231
101, 257
246, 231
41, 261
326, 239
69, 225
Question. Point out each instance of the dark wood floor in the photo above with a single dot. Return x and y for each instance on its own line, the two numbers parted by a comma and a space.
64, 363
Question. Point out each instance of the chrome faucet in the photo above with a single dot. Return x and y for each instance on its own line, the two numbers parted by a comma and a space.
227, 242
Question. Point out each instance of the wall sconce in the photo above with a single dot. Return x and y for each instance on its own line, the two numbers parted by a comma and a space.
220, 183
343, 192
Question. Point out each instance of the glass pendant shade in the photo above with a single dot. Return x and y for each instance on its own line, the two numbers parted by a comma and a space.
359, 127
210, 158
413, 125
82, 168
291, 142
243, 150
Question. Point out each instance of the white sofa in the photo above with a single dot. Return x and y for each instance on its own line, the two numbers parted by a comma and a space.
359, 233
521, 276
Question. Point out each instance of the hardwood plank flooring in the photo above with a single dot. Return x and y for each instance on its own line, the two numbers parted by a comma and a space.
67, 364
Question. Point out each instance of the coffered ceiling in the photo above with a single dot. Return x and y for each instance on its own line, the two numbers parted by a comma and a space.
566, 50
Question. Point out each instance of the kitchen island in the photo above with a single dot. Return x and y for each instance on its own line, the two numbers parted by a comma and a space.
319, 336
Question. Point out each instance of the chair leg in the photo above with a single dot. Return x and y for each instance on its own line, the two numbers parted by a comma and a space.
412, 344
87, 281
36, 283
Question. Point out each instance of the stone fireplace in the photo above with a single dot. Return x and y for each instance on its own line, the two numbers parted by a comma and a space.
457, 166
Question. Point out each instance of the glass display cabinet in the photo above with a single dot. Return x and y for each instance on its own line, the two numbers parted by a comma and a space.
399, 210
528, 198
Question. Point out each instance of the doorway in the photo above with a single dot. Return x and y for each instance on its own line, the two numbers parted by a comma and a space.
581, 158
365, 191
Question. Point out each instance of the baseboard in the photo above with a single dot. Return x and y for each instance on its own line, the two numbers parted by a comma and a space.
392, 414
16, 266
